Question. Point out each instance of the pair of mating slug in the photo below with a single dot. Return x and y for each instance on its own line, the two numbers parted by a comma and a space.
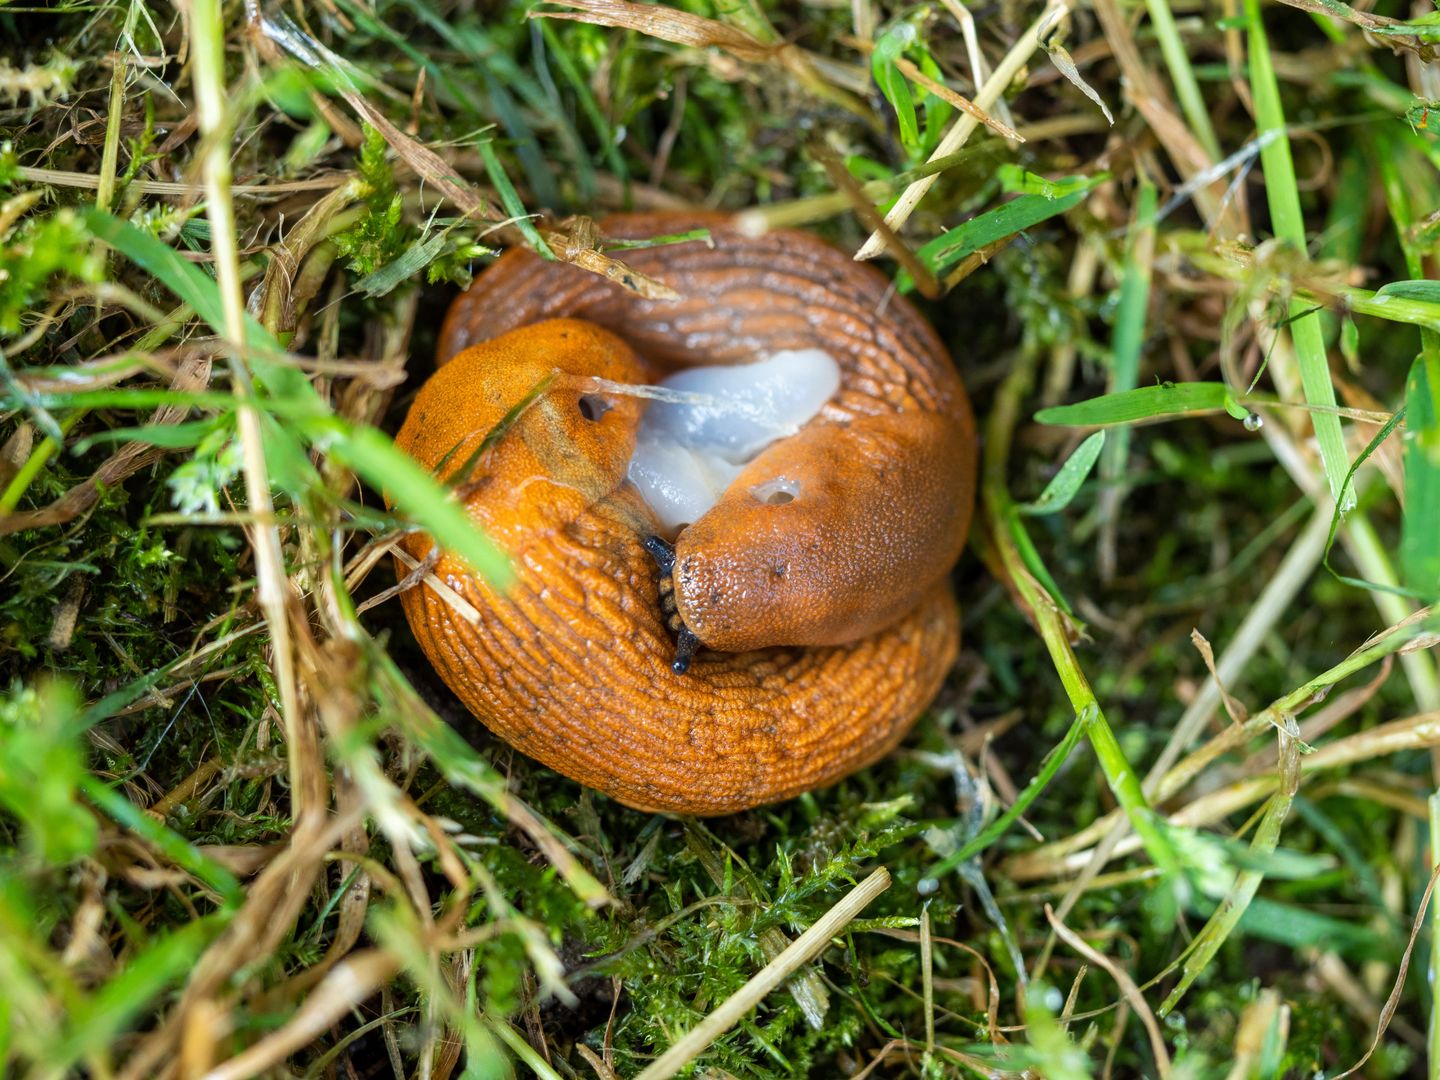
824, 621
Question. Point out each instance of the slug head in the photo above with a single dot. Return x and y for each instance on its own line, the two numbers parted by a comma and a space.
828, 536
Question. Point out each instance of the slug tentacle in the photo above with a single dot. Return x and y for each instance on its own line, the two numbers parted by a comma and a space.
817, 584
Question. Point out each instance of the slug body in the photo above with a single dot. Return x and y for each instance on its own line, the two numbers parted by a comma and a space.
825, 618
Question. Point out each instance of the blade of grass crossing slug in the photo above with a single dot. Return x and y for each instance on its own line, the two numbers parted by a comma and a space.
418, 494
1420, 527
1289, 226
1129, 337
510, 199
363, 449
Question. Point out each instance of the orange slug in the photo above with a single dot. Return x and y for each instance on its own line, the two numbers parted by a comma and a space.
814, 594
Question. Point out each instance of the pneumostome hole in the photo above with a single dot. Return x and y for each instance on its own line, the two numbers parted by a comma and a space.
776, 492
594, 406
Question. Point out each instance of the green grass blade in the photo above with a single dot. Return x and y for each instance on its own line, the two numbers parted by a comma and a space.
1247, 882
170, 844
42, 766
416, 492
1303, 928
1289, 226
1420, 528
892, 84
1374, 586
527, 147
1129, 336
997, 828
170, 436
154, 399
365, 450
467, 770
397, 272
1030, 556
569, 69
1426, 291
1432, 1034
1398, 307
179, 275
1020, 213
1065, 483
1345, 224
1192, 104
510, 199
1143, 403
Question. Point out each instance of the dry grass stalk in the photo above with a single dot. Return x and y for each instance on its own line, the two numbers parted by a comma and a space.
1234, 708
1418, 732
348, 984
270, 36
805, 948
698, 32
194, 374
871, 218
1392, 1003
1337, 9
668, 24
424, 572
1018, 56
1146, 92
960, 101
86, 181
1176, 776
1264, 1016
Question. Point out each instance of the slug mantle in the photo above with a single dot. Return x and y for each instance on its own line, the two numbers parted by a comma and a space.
825, 617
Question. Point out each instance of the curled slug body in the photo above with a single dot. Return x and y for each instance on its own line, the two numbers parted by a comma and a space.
826, 621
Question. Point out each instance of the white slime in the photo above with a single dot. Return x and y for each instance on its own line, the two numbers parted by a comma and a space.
686, 455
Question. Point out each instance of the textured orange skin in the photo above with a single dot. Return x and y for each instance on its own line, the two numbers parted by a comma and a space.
829, 620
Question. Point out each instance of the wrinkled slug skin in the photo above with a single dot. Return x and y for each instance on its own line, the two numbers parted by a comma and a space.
829, 619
